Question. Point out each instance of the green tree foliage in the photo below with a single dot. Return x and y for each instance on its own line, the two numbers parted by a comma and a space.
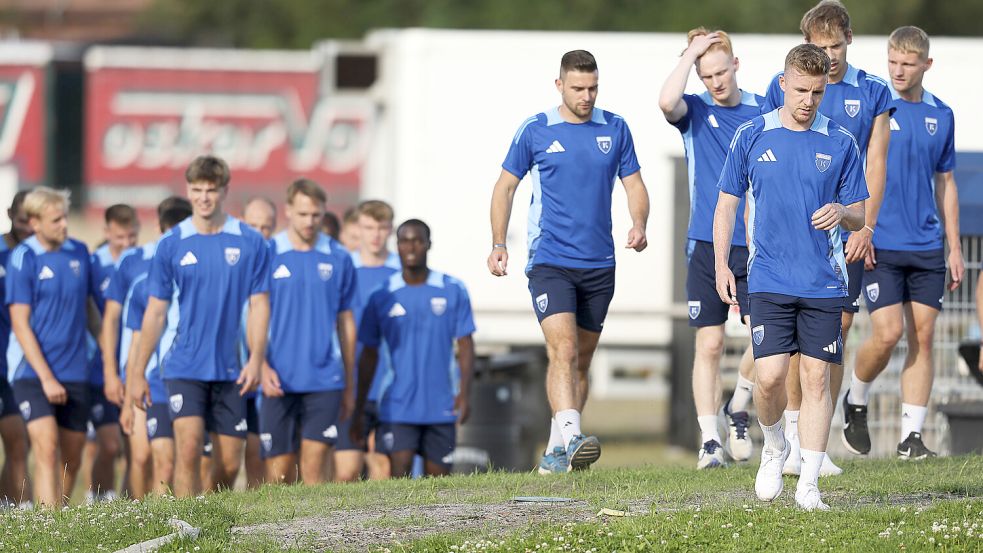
300, 23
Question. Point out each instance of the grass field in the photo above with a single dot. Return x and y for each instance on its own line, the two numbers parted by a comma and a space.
877, 506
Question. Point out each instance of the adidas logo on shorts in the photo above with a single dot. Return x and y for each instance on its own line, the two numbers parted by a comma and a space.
832, 348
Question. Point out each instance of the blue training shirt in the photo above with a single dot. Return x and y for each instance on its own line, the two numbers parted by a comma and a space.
707, 130
57, 286
103, 269
136, 306
572, 167
308, 289
369, 280
5, 331
419, 324
133, 264
792, 174
922, 144
214, 274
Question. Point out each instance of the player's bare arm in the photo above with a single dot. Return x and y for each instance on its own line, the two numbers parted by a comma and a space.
346, 337
876, 175
671, 97
108, 342
126, 407
947, 196
849, 217
154, 319
257, 325
638, 207
501, 210
723, 230
465, 358
20, 323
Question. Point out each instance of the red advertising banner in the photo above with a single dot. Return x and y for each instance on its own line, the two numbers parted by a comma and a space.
23, 70
149, 112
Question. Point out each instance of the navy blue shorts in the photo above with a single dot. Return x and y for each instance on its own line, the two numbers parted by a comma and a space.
33, 404
903, 277
855, 278
217, 402
789, 324
370, 423
102, 411
433, 442
8, 406
252, 415
159, 422
285, 421
585, 292
703, 301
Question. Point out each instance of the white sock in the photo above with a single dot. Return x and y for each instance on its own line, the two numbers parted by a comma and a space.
812, 461
556, 438
742, 395
912, 419
774, 435
859, 391
569, 422
791, 424
708, 428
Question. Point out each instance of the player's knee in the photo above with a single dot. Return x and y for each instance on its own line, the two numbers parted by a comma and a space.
888, 334
814, 380
710, 346
770, 382
562, 354
109, 448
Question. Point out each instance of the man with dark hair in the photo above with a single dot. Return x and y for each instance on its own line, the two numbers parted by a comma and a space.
797, 275
419, 314
573, 153
15, 488
218, 263
331, 225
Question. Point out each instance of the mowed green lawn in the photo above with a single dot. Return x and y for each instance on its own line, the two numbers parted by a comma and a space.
878, 505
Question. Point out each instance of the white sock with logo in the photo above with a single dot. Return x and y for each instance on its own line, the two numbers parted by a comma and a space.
708, 428
812, 461
774, 435
742, 395
912, 419
791, 424
556, 438
569, 422
859, 391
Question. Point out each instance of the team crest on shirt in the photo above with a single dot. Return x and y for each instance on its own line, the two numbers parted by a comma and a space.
325, 270
438, 306
152, 427
232, 255
873, 292
177, 402
823, 161
931, 125
542, 302
25, 409
758, 334
267, 440
76, 266
604, 144
694, 309
851, 107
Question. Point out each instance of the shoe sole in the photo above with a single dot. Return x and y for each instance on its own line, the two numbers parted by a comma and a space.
712, 465
545, 472
585, 455
850, 448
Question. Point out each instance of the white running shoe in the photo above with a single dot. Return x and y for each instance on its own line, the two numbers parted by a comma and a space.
711, 456
828, 468
739, 443
768, 483
807, 497
793, 465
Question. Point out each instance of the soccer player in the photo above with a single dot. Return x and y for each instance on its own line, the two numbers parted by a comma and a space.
49, 285
330, 225
707, 122
216, 262
15, 488
121, 231
859, 102
349, 229
419, 314
797, 275
905, 289
573, 152
259, 213
311, 291
153, 441
374, 265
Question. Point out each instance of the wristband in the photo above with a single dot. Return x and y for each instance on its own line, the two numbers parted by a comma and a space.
499, 246
868, 228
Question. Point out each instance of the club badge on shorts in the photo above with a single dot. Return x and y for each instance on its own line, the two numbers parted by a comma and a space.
873, 292
823, 161
267, 440
542, 302
758, 334
694, 309
177, 402
232, 255
604, 144
152, 427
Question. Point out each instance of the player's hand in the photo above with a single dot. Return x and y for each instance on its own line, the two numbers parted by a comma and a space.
347, 404
356, 431
114, 390
498, 261
828, 216
957, 269
126, 417
248, 378
271, 382
462, 406
138, 391
636, 239
870, 261
859, 243
54, 391
701, 44
726, 285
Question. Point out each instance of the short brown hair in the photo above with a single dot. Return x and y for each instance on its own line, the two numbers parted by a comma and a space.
378, 210
909, 40
825, 18
210, 169
724, 45
350, 216
308, 188
807, 59
121, 214
43, 196
577, 60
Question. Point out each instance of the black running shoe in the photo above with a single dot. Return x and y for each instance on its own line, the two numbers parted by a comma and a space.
856, 437
914, 448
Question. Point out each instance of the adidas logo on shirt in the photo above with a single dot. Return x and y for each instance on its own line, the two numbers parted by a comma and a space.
767, 156
555, 148
894, 125
397, 310
831, 348
46, 273
281, 272
188, 259
713, 121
